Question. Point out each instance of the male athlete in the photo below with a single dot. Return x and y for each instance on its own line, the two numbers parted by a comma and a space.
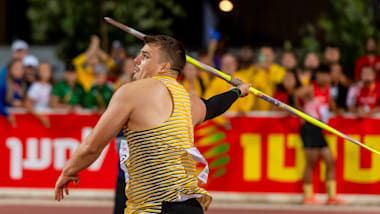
157, 116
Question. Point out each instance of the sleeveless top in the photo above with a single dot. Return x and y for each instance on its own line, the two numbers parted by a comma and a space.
159, 166
318, 107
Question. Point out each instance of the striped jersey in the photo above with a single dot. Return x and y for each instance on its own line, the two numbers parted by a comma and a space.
159, 166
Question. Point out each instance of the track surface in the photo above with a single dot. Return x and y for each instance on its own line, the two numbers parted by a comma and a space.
106, 208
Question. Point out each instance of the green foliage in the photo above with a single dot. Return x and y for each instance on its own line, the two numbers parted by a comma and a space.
349, 28
70, 23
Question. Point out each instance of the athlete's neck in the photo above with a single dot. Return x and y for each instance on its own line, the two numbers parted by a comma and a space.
170, 73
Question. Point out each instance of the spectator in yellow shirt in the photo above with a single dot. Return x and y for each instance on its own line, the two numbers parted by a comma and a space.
229, 66
200, 80
195, 80
267, 75
85, 63
246, 68
128, 66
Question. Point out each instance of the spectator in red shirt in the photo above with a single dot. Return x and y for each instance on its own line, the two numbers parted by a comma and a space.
285, 91
368, 99
371, 58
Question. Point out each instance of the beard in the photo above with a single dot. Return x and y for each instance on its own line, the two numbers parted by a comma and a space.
367, 83
371, 52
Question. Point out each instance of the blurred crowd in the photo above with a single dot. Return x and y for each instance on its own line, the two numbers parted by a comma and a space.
91, 78
88, 84
292, 79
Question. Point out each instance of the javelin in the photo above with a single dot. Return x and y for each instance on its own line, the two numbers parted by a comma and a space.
236, 82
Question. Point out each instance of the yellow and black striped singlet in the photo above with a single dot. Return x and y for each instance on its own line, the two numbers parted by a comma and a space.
159, 167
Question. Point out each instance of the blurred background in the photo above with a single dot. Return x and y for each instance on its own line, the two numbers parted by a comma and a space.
61, 62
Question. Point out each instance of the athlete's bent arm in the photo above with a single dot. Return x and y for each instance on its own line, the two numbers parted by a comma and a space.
203, 110
110, 123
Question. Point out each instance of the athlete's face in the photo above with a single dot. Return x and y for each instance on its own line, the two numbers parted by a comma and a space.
148, 62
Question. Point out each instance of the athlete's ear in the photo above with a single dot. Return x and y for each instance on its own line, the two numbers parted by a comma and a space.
164, 67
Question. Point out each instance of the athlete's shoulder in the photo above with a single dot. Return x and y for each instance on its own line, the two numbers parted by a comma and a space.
143, 87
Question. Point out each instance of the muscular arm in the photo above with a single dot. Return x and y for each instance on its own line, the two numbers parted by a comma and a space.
108, 126
203, 110
110, 123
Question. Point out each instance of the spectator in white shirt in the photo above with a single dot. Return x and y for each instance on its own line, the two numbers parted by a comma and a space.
31, 64
38, 95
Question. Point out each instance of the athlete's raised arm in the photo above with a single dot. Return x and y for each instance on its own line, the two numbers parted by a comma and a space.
202, 109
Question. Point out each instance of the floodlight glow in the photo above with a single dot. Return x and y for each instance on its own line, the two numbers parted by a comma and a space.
226, 6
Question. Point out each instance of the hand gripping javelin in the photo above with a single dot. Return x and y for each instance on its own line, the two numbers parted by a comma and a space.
236, 82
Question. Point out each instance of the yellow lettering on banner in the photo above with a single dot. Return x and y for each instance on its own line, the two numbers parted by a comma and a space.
277, 170
251, 144
332, 141
352, 171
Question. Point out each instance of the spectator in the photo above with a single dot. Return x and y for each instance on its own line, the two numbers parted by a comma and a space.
368, 99
241, 106
331, 54
371, 58
193, 81
207, 56
289, 60
246, 67
118, 52
86, 62
38, 96
126, 76
19, 50
100, 93
311, 63
352, 95
339, 88
15, 88
200, 80
16, 84
118, 56
30, 63
267, 76
286, 91
68, 93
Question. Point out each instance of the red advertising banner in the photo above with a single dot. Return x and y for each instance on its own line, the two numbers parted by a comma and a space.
33, 156
259, 154
265, 154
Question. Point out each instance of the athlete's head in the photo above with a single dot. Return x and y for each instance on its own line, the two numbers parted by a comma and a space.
368, 75
322, 75
161, 55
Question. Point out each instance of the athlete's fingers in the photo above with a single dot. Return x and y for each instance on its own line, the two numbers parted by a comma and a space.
66, 188
76, 182
56, 193
61, 193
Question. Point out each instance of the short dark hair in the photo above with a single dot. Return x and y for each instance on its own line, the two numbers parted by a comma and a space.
171, 49
323, 69
69, 67
368, 66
